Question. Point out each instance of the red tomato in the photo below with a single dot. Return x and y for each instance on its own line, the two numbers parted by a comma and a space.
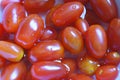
70, 64
67, 14
36, 6
96, 41
13, 14
113, 34
72, 40
88, 65
79, 77
47, 70
112, 58
106, 72
105, 9
14, 71
46, 50
82, 25
11, 51
4, 3
49, 34
29, 31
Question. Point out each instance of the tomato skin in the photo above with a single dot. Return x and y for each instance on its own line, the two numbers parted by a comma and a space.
113, 35
47, 70
36, 6
96, 41
72, 40
88, 65
105, 9
49, 34
13, 14
106, 72
2, 62
14, 71
4, 3
67, 14
46, 50
70, 63
11, 51
79, 77
82, 25
82, 1
29, 31
112, 58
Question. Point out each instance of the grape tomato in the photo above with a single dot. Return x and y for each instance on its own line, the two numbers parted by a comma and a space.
59, 40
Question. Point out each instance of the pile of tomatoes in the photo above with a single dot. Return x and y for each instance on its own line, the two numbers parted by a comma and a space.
59, 40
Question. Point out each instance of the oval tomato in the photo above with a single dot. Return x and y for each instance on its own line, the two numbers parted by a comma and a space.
47, 70
46, 50
67, 14
114, 35
14, 71
36, 6
106, 72
11, 51
29, 31
105, 9
96, 41
13, 14
72, 40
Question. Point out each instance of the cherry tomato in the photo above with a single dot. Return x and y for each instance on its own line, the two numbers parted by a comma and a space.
72, 40
14, 71
29, 31
82, 25
67, 14
49, 34
88, 65
46, 50
106, 72
36, 6
113, 34
105, 9
46, 70
4, 3
11, 51
79, 77
112, 58
96, 41
13, 14
70, 64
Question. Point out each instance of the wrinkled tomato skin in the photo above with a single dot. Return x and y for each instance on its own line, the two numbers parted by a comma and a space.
106, 72
13, 14
47, 70
49, 33
46, 50
14, 71
72, 40
4, 3
11, 51
67, 14
96, 41
82, 25
79, 77
113, 34
36, 6
105, 9
30, 30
